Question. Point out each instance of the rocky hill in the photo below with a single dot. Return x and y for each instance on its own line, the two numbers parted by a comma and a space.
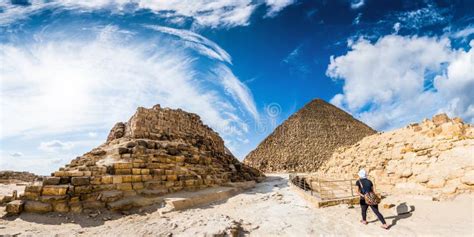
307, 138
434, 157
8, 176
158, 151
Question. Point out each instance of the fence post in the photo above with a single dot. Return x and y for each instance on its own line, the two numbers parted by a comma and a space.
352, 188
320, 193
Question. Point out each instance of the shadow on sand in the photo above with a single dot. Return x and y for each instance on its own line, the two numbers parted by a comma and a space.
405, 212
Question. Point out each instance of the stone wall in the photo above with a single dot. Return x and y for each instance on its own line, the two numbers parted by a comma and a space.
158, 151
434, 158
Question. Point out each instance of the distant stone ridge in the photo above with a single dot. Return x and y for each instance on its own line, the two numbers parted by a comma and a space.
307, 138
158, 151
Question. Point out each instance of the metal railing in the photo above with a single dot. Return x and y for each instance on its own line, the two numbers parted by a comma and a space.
322, 188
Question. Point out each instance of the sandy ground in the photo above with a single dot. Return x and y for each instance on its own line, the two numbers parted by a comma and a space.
270, 209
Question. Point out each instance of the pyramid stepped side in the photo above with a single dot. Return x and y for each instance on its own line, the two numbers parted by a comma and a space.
432, 158
158, 151
307, 138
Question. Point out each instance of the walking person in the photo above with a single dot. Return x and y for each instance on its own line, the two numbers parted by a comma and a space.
365, 189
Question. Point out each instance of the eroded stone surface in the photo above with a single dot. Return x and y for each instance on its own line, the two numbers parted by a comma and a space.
434, 157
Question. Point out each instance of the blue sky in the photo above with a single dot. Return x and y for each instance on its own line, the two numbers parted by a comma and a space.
70, 69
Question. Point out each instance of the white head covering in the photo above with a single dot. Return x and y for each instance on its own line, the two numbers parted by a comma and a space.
362, 174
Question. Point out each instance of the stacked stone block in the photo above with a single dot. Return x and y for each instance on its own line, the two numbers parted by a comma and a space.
157, 152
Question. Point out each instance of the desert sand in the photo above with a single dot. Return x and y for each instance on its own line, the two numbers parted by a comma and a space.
269, 209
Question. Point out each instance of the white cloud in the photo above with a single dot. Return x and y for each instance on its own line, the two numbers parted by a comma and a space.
209, 13
92, 134
55, 146
396, 27
55, 86
355, 4
16, 154
398, 79
276, 6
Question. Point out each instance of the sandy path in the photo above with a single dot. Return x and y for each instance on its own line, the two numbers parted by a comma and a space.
270, 209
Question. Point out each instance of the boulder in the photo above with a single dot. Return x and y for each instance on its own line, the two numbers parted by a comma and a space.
38, 207
468, 178
436, 182
14, 207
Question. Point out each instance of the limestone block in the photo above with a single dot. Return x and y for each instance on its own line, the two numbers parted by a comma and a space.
102, 187
33, 188
126, 178
136, 178
116, 179
96, 180
31, 196
137, 164
55, 190
158, 172
422, 178
80, 180
74, 173
145, 171
138, 186
15, 207
61, 206
111, 196
449, 190
146, 178
37, 207
468, 178
82, 189
123, 165
155, 192
53, 198
436, 182
60, 174
51, 180
123, 171
108, 179
172, 177
92, 205
136, 171
124, 186
75, 207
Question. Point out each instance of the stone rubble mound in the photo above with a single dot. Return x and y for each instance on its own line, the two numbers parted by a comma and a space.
307, 138
432, 158
8, 176
158, 151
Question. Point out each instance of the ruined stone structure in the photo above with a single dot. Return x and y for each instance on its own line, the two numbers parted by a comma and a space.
158, 151
307, 138
8, 176
432, 158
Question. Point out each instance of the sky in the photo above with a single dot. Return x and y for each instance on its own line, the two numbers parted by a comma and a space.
69, 70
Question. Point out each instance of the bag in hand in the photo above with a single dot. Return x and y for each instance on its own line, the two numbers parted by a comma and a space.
370, 197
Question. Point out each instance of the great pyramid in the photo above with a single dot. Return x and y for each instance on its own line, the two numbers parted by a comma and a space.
158, 151
307, 138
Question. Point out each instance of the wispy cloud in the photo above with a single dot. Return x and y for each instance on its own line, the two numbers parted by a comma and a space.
16, 154
61, 82
55, 146
219, 13
197, 42
355, 4
295, 63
